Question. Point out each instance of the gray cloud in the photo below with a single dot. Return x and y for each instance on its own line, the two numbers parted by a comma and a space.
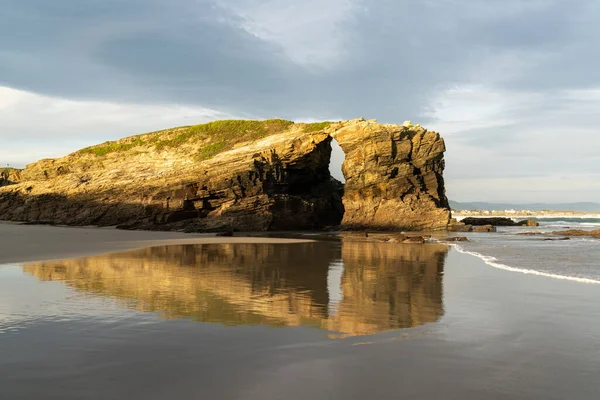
531, 64
144, 51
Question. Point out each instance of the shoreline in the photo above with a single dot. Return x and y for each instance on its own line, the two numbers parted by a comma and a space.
34, 243
524, 215
493, 262
39, 243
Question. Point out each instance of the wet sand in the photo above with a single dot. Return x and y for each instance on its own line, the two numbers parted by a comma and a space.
496, 335
25, 243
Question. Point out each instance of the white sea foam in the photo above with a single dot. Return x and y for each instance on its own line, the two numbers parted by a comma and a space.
562, 224
493, 262
582, 239
567, 217
518, 217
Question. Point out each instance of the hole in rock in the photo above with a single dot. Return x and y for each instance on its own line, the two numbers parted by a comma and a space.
336, 161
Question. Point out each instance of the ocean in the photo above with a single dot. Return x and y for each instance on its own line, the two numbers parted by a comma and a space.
525, 250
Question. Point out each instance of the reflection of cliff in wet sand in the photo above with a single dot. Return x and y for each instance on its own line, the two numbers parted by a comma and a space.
389, 286
381, 287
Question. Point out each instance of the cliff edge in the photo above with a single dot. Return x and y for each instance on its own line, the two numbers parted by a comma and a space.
243, 175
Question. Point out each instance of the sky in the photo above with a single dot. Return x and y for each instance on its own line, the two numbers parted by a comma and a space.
512, 85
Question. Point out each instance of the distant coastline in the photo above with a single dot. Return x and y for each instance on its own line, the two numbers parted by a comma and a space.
578, 207
520, 214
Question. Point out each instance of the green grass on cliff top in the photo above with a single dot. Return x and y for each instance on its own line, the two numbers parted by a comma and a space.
221, 135
316, 126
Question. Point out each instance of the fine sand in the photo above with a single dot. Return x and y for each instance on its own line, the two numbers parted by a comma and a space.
501, 335
27, 243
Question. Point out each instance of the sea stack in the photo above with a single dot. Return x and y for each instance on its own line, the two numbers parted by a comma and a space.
242, 175
394, 176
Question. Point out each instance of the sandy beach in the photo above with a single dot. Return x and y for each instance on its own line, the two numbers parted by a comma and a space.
25, 243
423, 323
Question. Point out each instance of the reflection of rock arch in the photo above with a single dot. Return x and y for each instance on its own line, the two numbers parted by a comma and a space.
389, 286
383, 286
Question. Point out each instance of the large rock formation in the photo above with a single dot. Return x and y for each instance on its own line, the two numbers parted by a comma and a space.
244, 175
393, 176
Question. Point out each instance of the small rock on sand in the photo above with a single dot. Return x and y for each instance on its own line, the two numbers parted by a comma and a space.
454, 239
484, 228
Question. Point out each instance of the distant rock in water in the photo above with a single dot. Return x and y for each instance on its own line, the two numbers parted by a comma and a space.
528, 222
578, 232
495, 221
483, 228
454, 239
242, 176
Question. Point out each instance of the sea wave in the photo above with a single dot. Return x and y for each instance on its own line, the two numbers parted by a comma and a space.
573, 223
583, 239
592, 220
493, 262
566, 218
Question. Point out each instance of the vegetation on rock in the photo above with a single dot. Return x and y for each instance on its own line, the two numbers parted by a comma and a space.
219, 135
267, 175
316, 126
111, 147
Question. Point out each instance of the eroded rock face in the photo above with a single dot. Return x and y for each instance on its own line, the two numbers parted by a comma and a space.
9, 176
394, 176
280, 181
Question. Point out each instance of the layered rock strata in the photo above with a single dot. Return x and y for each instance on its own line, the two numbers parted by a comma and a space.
281, 181
394, 176
242, 175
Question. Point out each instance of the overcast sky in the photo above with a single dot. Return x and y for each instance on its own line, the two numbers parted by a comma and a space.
512, 85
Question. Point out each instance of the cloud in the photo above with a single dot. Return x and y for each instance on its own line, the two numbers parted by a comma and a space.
310, 33
35, 126
559, 188
511, 84
511, 145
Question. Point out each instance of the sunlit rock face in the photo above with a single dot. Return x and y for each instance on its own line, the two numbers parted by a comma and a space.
9, 176
353, 288
394, 176
242, 175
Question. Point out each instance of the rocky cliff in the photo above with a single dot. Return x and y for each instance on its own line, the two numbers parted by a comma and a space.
9, 176
244, 175
394, 176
